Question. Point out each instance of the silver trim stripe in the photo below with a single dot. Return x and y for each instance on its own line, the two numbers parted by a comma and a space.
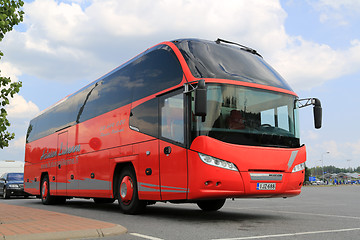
292, 158
85, 184
32, 185
266, 177
146, 187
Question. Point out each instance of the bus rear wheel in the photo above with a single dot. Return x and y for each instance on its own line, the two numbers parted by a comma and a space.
127, 193
46, 198
211, 205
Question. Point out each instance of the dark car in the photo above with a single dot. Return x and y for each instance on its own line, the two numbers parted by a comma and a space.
12, 184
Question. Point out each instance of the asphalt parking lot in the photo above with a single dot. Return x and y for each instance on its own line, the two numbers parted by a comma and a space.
320, 212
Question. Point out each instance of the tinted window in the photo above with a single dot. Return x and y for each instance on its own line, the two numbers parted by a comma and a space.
207, 59
145, 117
149, 73
108, 94
154, 72
60, 116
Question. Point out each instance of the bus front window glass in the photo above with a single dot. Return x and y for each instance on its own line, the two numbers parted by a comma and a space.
267, 117
282, 116
172, 118
248, 116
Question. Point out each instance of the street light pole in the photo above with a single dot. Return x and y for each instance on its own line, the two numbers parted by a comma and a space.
322, 160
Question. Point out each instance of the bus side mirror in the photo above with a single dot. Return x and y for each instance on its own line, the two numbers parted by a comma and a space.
317, 113
200, 99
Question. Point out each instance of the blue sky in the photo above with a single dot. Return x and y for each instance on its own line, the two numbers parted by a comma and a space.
315, 45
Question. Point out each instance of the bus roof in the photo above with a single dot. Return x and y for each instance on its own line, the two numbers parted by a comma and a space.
222, 59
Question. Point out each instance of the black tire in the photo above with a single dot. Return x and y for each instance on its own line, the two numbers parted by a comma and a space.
103, 200
127, 193
211, 205
45, 196
5, 194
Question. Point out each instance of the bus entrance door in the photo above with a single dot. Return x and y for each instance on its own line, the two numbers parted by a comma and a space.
61, 168
173, 171
173, 157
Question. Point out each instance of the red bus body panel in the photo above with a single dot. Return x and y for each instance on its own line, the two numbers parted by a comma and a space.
81, 160
248, 160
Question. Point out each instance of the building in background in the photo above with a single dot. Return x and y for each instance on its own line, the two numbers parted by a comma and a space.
11, 166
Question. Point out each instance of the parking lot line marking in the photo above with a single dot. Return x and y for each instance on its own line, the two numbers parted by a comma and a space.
291, 234
145, 236
302, 213
314, 214
319, 214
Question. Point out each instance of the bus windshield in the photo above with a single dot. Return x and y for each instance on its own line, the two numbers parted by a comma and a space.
248, 116
208, 59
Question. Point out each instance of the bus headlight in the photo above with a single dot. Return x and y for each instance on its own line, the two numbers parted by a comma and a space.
299, 167
217, 162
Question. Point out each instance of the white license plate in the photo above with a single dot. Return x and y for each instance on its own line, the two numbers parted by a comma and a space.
266, 186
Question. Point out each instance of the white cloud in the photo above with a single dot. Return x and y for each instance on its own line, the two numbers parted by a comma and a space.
336, 12
66, 42
76, 40
19, 108
18, 143
339, 152
307, 64
354, 148
9, 70
309, 135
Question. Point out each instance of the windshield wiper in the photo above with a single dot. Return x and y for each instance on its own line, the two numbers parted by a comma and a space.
245, 48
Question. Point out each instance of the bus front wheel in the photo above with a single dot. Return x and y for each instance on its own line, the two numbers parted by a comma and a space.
211, 205
127, 192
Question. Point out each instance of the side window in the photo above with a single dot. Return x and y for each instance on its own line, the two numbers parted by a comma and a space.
60, 116
148, 74
154, 72
145, 117
112, 92
172, 117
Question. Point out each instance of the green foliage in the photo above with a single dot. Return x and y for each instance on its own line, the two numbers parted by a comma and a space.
307, 174
10, 15
318, 171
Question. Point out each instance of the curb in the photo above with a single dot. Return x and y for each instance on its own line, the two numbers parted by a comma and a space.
90, 233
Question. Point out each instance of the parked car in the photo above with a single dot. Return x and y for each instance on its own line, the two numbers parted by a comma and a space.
12, 184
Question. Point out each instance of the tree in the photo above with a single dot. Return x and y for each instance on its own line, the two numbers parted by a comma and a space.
307, 174
10, 15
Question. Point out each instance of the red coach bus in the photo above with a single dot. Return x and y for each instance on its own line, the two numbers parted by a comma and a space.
185, 121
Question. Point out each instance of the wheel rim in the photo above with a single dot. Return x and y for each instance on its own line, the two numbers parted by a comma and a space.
45, 190
126, 190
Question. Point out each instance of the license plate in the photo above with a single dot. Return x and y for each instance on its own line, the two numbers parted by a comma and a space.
266, 186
